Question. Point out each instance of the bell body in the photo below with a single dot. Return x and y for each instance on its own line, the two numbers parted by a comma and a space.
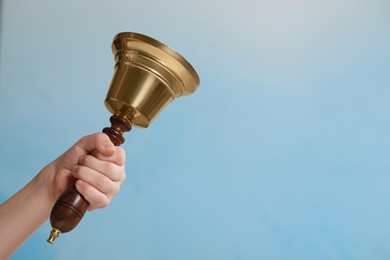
148, 76
147, 97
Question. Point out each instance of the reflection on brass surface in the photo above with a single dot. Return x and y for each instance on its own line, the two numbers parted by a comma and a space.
148, 76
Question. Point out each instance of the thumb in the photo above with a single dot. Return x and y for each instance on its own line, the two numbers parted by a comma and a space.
99, 141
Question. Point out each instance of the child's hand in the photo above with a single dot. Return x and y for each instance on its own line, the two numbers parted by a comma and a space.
98, 166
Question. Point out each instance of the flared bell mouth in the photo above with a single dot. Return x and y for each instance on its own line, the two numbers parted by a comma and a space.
132, 46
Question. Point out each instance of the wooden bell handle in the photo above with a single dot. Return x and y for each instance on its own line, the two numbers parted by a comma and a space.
70, 207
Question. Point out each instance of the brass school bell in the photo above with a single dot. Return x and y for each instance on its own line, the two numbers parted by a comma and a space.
148, 76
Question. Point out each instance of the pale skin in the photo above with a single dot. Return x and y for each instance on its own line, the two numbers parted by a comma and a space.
94, 161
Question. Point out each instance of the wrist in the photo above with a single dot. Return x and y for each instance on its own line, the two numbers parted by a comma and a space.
44, 184
55, 178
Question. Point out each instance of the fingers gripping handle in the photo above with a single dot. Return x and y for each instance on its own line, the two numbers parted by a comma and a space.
71, 205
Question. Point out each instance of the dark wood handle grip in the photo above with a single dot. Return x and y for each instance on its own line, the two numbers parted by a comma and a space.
68, 210
70, 207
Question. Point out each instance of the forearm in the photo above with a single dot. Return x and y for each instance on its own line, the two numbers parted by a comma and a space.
94, 160
23, 213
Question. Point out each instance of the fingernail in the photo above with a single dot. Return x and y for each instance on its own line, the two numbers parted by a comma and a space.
81, 158
78, 187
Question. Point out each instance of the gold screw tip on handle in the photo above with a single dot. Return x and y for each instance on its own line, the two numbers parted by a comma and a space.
53, 235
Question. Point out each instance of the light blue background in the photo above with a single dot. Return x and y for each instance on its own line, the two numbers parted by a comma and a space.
282, 153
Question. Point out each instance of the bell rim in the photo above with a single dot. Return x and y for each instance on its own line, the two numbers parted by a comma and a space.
165, 48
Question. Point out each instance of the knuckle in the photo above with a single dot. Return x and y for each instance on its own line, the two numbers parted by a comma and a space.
121, 156
115, 172
111, 169
102, 202
85, 160
76, 171
116, 189
102, 182
82, 160
101, 137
